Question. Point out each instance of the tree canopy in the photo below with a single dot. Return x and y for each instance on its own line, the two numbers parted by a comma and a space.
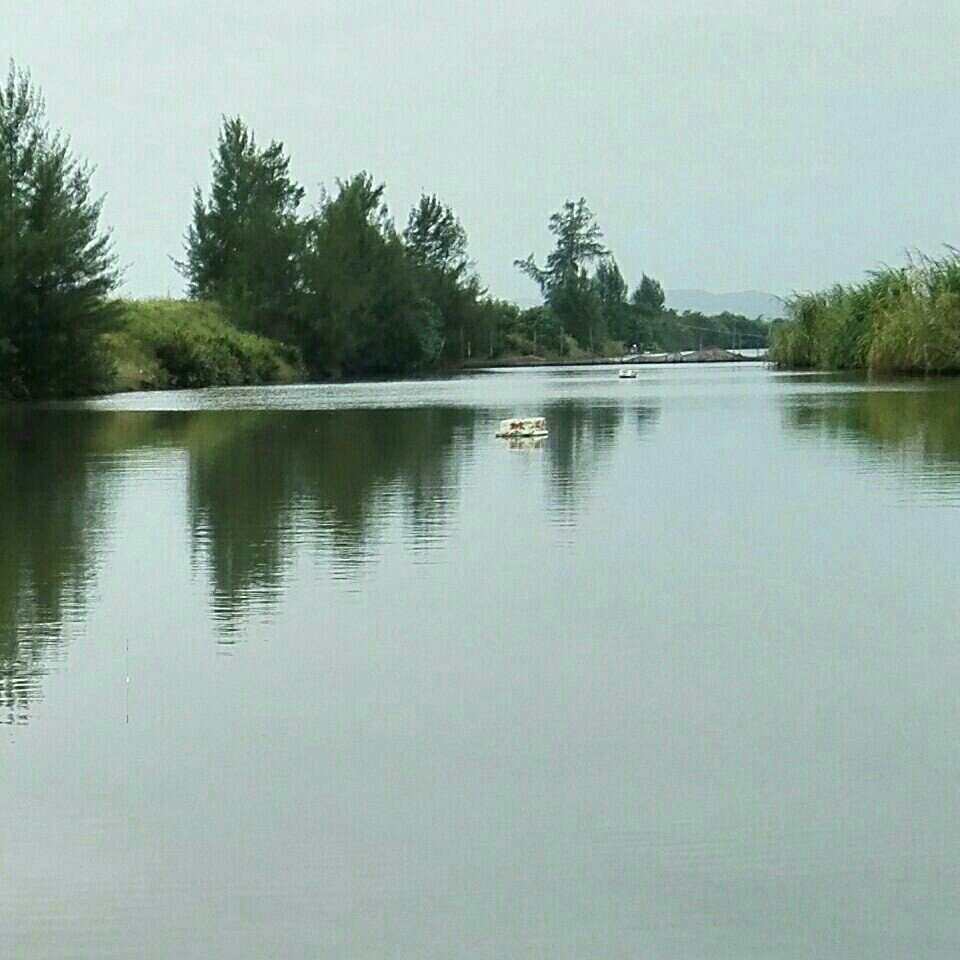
586, 306
565, 279
437, 243
578, 246
363, 309
436, 239
56, 265
243, 246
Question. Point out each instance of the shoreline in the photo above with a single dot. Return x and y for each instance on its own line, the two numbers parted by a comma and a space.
705, 357
710, 355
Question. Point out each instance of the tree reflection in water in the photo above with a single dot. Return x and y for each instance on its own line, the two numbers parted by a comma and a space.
582, 435
55, 493
913, 432
331, 479
260, 485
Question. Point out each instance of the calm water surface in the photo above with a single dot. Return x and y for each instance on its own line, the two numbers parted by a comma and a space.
331, 672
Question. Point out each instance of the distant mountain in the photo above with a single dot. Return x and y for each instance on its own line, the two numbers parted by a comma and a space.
748, 303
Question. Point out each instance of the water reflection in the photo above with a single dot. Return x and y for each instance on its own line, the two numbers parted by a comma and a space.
260, 484
54, 495
657, 740
582, 436
525, 443
264, 483
912, 434
263, 491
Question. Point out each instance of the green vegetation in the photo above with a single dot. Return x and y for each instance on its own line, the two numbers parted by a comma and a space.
569, 290
364, 308
56, 267
180, 343
359, 298
899, 320
586, 307
278, 293
243, 246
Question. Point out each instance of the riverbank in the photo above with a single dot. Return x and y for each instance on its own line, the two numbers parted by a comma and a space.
171, 344
185, 344
899, 320
690, 356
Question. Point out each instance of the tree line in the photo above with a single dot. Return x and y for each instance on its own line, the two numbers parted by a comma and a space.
341, 283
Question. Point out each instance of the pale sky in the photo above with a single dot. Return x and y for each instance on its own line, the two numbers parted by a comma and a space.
776, 146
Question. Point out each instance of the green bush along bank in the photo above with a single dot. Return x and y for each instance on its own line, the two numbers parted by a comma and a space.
159, 344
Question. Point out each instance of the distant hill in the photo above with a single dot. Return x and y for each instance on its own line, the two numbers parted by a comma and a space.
748, 303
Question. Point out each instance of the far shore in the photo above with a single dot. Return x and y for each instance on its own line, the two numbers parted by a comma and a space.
712, 355
132, 384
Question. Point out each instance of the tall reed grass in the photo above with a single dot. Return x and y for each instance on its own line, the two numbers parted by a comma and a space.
899, 320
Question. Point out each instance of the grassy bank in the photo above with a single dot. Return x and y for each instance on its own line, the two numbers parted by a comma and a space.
161, 344
899, 320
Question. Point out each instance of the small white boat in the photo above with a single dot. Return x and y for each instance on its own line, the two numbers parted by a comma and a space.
523, 427
627, 373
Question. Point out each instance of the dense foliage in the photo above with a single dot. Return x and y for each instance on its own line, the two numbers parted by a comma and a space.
56, 267
904, 319
178, 343
356, 296
437, 243
361, 298
364, 310
568, 288
243, 245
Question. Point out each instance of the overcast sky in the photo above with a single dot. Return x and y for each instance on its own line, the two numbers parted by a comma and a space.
723, 145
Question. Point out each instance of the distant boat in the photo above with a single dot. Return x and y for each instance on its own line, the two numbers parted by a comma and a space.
523, 427
627, 373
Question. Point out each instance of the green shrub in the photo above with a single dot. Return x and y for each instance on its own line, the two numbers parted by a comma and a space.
177, 343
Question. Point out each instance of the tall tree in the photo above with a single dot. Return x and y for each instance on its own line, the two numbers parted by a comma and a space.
578, 245
649, 296
436, 238
364, 309
612, 292
56, 266
243, 246
647, 302
565, 280
437, 244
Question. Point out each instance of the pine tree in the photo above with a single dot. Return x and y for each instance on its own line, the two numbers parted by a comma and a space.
565, 279
365, 309
612, 291
56, 266
243, 246
437, 244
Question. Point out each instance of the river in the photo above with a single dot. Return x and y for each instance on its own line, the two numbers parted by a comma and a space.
330, 671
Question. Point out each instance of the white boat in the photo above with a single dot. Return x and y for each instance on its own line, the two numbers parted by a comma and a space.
523, 427
627, 373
